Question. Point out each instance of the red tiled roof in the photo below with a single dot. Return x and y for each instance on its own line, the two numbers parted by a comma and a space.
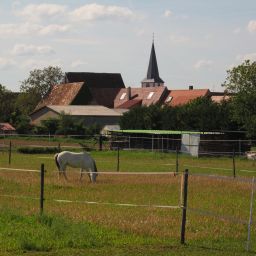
6, 127
146, 95
181, 97
60, 94
130, 103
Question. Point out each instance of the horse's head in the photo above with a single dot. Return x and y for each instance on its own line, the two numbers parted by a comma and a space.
93, 176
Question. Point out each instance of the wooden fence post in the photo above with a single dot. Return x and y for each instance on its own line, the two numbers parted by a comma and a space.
248, 245
59, 149
177, 160
184, 207
10, 151
100, 142
118, 158
42, 189
234, 164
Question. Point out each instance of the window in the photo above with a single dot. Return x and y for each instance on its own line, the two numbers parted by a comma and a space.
150, 95
123, 95
169, 99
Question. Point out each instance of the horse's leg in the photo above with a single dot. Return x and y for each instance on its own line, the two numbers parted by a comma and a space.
81, 173
64, 172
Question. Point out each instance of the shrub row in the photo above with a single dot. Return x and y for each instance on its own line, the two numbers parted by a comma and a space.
38, 150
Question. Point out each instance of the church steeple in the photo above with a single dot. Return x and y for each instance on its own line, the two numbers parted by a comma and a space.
153, 79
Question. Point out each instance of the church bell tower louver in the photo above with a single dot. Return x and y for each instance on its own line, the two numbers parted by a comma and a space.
153, 79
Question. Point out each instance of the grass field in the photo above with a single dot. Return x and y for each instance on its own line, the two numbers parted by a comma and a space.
216, 223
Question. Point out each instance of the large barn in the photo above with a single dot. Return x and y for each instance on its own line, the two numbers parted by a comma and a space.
88, 114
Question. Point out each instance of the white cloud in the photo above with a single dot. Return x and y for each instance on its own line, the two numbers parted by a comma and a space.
36, 63
167, 13
78, 41
77, 63
252, 26
37, 12
91, 12
24, 29
248, 56
179, 39
6, 63
18, 29
53, 29
22, 49
203, 64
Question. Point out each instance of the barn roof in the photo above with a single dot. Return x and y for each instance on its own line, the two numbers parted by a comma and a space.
60, 94
96, 80
181, 97
104, 96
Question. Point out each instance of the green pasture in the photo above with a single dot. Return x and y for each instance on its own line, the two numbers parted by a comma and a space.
216, 220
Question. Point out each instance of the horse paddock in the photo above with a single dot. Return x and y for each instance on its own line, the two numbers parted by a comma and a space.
143, 204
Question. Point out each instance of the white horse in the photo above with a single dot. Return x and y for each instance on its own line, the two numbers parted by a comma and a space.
77, 160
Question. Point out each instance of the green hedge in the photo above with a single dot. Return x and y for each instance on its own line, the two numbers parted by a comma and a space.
38, 150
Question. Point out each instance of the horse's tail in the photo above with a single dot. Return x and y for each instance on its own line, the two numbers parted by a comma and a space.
56, 160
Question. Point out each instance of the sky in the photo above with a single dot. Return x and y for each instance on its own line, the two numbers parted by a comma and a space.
196, 41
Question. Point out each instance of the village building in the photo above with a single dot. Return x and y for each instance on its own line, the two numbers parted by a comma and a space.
7, 129
83, 89
88, 114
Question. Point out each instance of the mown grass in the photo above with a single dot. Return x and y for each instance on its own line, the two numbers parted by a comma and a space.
121, 230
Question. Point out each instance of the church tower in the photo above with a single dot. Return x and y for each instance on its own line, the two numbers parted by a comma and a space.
153, 79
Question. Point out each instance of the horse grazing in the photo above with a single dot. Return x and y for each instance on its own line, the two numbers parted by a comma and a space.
77, 160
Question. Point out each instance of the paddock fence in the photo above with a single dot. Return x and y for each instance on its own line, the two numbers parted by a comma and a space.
10, 145
202, 200
194, 145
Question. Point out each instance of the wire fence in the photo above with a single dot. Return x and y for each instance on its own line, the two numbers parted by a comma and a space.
193, 144
211, 200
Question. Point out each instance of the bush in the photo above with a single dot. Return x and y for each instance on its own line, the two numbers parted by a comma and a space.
37, 150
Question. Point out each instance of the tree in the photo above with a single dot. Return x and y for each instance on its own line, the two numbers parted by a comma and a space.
7, 103
241, 80
21, 122
40, 81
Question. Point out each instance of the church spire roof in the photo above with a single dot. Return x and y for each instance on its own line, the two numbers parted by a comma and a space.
153, 74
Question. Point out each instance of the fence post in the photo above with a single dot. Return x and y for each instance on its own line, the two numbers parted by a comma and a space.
177, 160
234, 164
184, 207
42, 189
59, 149
118, 158
152, 146
100, 142
250, 218
10, 151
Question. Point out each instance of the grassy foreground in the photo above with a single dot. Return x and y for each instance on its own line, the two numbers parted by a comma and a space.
48, 235
217, 226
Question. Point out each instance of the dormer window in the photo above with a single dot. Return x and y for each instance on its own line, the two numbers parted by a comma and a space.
123, 96
169, 99
150, 95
